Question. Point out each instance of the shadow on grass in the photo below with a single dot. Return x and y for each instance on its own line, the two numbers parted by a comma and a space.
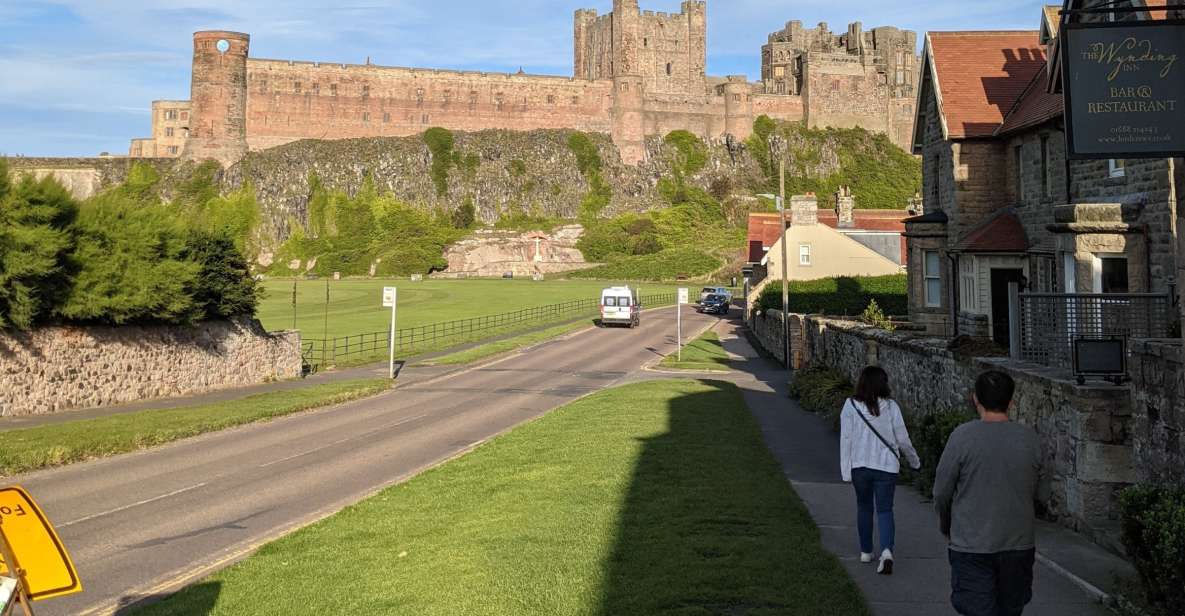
711, 526
197, 600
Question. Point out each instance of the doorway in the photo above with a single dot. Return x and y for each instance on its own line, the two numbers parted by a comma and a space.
1001, 278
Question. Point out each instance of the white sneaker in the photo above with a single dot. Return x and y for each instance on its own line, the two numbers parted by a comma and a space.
865, 557
886, 565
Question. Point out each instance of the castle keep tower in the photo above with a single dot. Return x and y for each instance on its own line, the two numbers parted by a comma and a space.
218, 91
629, 115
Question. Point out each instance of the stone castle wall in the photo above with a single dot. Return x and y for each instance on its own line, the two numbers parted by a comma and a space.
288, 101
636, 74
56, 369
1096, 440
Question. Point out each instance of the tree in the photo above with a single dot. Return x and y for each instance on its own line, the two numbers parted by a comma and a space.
466, 215
35, 244
224, 286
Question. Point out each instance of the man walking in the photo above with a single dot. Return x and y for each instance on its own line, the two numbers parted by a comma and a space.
984, 491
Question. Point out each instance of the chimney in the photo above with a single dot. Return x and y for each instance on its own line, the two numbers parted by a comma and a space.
845, 206
804, 210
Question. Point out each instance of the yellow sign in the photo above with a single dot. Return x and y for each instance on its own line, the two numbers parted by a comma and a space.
36, 547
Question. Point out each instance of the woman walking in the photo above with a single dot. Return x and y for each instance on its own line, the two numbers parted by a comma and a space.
872, 440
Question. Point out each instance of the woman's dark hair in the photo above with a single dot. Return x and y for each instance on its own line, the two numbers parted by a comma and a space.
872, 387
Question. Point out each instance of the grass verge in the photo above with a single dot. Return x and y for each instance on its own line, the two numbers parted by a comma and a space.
491, 349
30, 449
655, 498
705, 353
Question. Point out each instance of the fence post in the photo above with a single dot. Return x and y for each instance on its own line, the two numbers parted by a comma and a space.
1014, 320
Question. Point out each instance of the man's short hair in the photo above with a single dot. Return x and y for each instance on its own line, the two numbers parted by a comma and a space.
994, 389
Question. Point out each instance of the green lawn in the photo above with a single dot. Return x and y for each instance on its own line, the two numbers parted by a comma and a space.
703, 353
57, 444
655, 498
510, 344
356, 306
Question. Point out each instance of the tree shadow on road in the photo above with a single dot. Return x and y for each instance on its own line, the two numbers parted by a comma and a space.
197, 600
711, 526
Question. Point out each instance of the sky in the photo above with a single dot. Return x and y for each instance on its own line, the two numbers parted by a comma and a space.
77, 76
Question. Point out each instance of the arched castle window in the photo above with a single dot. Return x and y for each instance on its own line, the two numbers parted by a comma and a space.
419, 97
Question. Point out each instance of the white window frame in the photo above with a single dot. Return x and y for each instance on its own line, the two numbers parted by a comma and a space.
804, 255
969, 283
1116, 168
934, 300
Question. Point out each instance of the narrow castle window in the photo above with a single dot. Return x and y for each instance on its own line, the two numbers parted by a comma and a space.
550, 99
424, 119
173, 149
365, 91
575, 100
263, 86
498, 102
169, 131
316, 89
668, 69
333, 89
420, 97
386, 118
296, 87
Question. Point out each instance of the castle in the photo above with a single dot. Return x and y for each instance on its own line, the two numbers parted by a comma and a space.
635, 74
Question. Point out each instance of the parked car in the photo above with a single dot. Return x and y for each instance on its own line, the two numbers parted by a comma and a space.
715, 304
620, 306
703, 294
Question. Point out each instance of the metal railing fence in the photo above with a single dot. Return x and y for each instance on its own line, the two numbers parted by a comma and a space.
1051, 322
320, 353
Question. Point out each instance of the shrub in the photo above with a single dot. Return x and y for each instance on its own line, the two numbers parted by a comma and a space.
929, 433
1154, 535
665, 265
224, 286
690, 153
874, 316
821, 390
841, 296
440, 144
466, 215
132, 265
36, 239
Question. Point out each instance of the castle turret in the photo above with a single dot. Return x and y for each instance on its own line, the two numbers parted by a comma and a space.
738, 107
584, 21
218, 92
696, 12
629, 127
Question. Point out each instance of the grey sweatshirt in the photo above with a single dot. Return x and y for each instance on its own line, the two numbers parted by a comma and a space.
985, 487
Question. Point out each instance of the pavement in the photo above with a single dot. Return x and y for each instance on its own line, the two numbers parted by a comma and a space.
1071, 570
143, 525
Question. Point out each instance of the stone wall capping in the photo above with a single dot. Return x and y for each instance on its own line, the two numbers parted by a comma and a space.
1088, 213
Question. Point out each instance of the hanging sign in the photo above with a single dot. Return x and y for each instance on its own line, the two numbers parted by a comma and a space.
1124, 85
26, 533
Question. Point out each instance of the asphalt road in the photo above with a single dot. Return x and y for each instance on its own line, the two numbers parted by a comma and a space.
146, 524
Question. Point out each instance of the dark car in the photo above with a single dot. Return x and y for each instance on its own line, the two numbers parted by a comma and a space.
714, 304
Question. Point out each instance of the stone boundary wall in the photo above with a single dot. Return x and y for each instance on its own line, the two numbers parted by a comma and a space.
1086, 432
57, 369
1157, 368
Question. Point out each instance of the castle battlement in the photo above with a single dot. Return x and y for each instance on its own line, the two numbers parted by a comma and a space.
635, 74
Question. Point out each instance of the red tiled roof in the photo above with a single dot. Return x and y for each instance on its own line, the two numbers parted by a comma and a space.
1000, 233
981, 75
1035, 107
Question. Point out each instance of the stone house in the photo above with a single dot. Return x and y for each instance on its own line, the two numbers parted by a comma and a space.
1001, 202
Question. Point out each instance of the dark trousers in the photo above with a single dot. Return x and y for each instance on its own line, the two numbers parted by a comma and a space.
999, 584
874, 493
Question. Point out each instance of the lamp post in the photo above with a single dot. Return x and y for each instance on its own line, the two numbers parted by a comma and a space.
781, 204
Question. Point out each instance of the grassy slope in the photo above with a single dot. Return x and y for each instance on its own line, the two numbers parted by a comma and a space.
657, 498
356, 305
703, 353
58, 444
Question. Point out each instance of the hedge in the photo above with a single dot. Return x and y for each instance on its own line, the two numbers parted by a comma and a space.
843, 296
1154, 535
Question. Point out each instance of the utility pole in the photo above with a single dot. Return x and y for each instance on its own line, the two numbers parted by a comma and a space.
785, 262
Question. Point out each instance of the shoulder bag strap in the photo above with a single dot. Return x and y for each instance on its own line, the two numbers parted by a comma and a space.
878, 434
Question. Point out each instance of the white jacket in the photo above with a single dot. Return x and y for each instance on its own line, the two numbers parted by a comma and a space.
860, 448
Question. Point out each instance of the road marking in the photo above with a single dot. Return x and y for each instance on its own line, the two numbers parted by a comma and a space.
343, 440
136, 504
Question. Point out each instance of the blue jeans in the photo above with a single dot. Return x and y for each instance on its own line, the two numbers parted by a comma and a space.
874, 490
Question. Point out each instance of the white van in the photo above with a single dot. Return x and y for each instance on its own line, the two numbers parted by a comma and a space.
620, 306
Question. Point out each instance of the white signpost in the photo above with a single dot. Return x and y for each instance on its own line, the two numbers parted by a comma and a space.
390, 299
684, 296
